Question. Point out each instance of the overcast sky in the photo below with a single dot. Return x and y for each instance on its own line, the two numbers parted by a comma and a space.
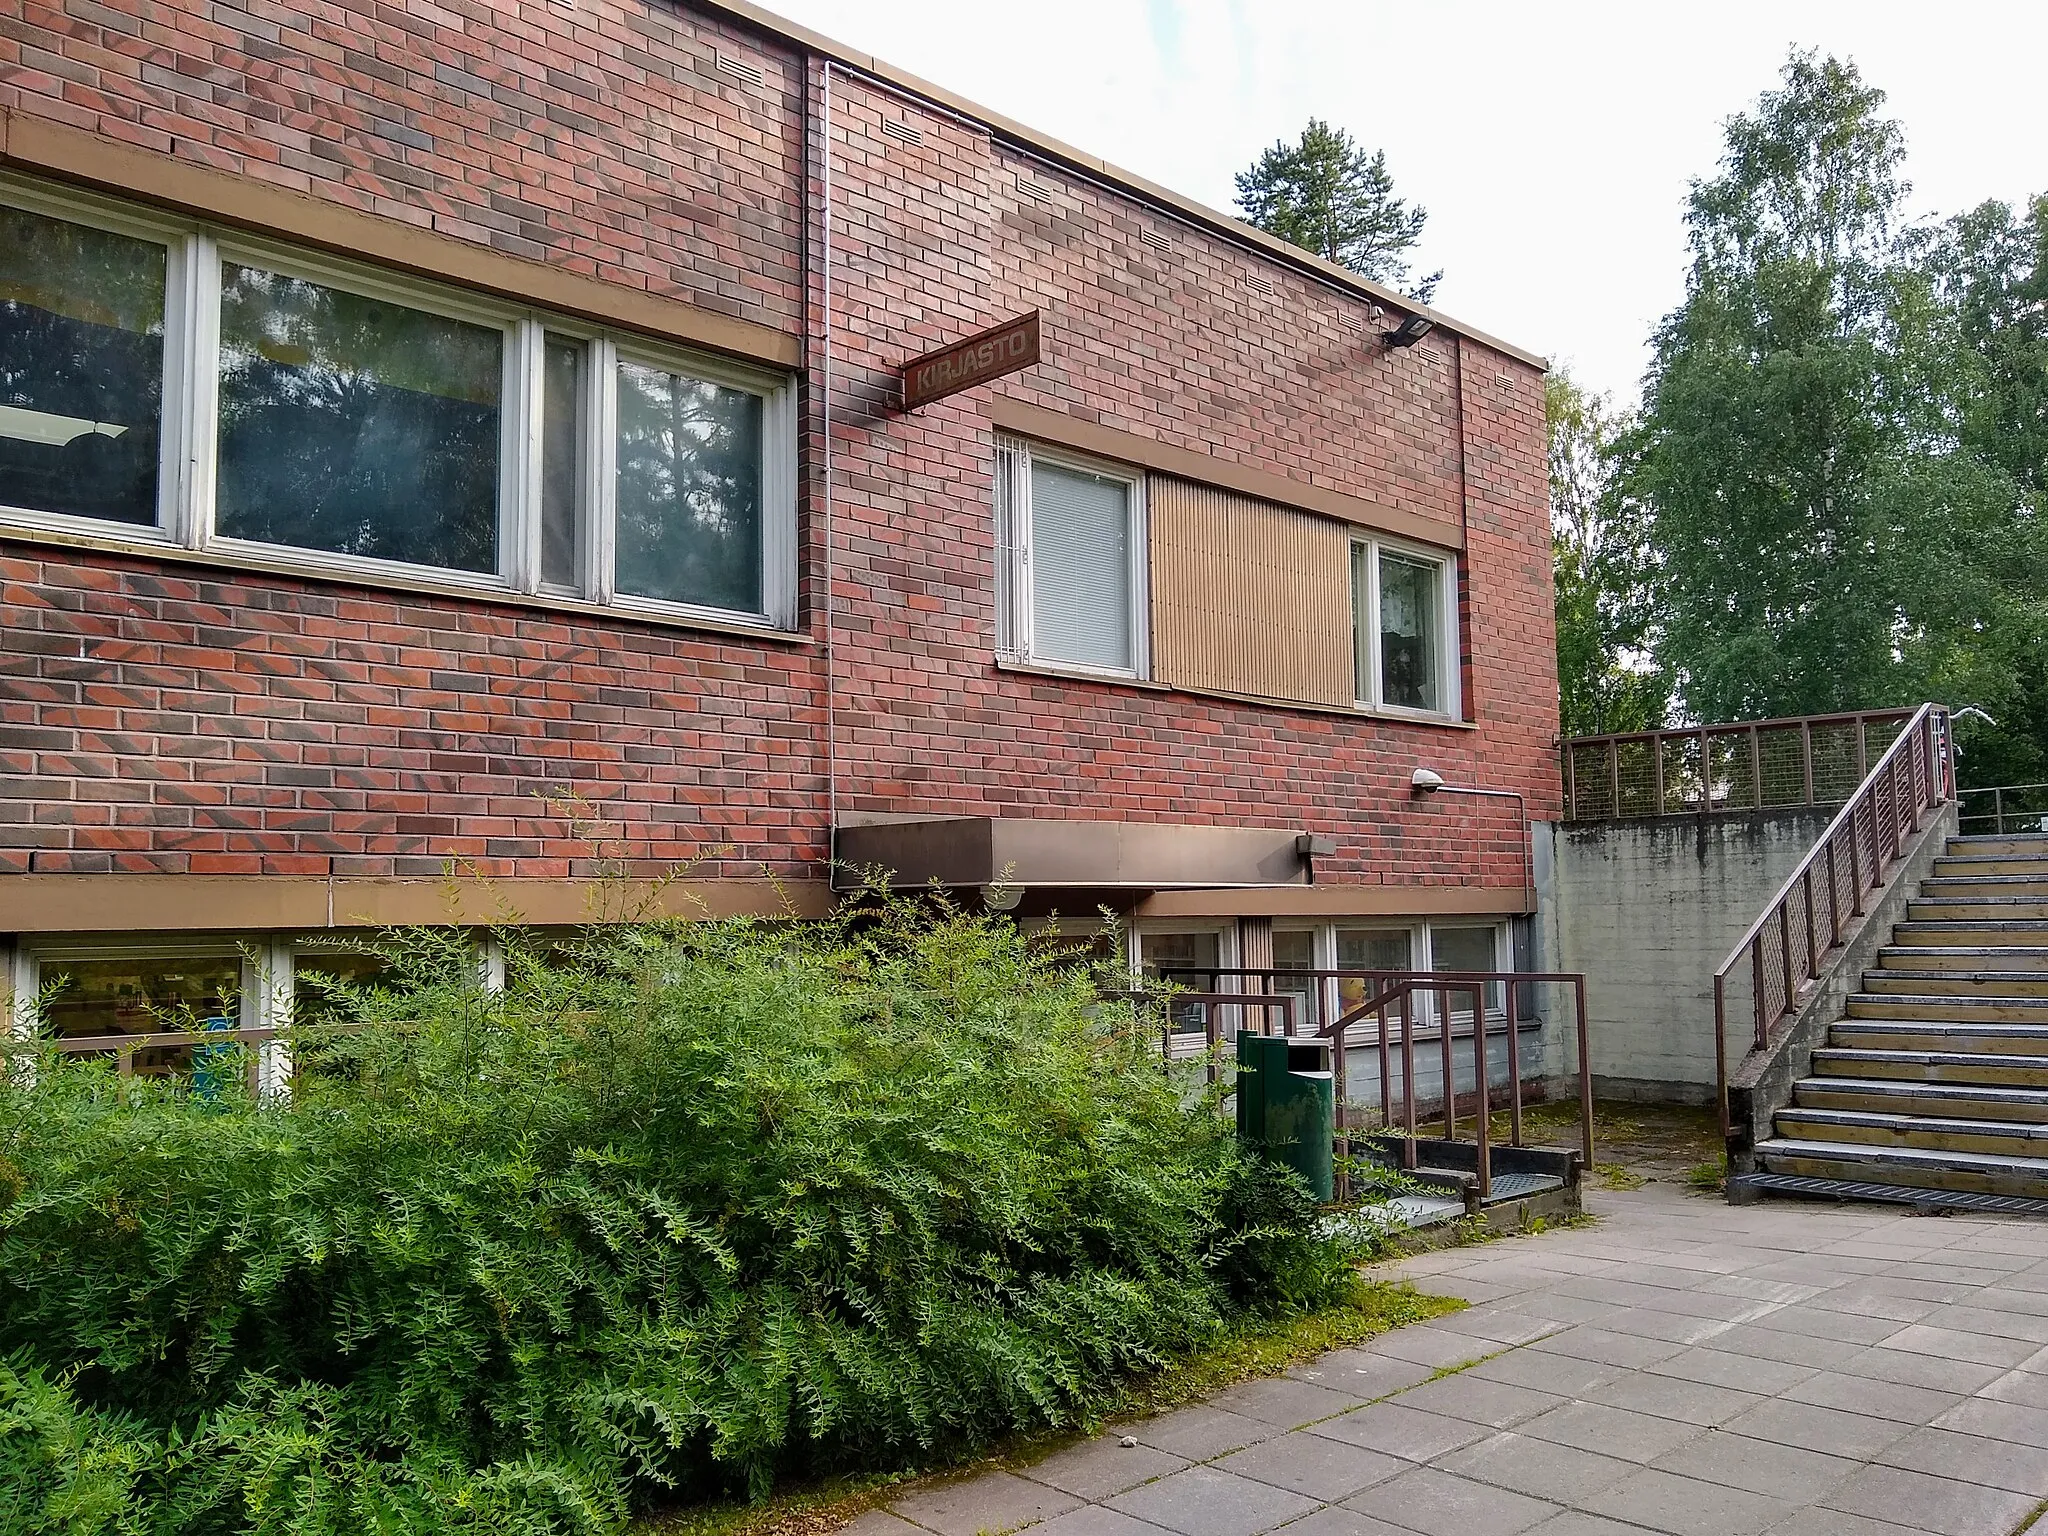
1552, 143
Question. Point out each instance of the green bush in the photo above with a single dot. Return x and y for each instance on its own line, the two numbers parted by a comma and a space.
680, 1210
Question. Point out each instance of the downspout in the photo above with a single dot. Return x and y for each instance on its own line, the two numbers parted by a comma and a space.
831, 525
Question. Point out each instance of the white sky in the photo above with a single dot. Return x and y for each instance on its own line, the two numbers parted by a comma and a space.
1552, 143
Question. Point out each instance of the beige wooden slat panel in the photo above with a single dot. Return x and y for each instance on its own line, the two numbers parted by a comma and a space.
1248, 597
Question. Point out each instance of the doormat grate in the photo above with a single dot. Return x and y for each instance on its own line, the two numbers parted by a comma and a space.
1893, 1194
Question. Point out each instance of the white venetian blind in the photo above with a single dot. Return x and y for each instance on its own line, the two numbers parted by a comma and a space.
1080, 568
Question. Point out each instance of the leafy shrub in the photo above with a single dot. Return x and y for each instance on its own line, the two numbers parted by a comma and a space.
681, 1209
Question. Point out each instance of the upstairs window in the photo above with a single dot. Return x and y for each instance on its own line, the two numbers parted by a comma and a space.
1404, 636
1070, 544
81, 369
161, 383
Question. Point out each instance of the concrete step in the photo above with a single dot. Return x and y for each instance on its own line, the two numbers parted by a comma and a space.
1923, 909
1892, 981
1991, 932
1968, 866
1940, 887
1913, 1096
1924, 956
1789, 1186
2005, 1138
2032, 843
1946, 1006
1976, 1067
1978, 1038
1981, 1173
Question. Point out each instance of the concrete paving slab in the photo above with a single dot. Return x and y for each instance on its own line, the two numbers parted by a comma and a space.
995, 1501
1477, 1400
1326, 1470
1972, 1459
1204, 1501
1409, 1433
1543, 1469
1664, 1501
1198, 1433
1875, 1399
1437, 1503
1098, 1468
1284, 1401
1778, 1471
1940, 1505
1611, 1431
1362, 1374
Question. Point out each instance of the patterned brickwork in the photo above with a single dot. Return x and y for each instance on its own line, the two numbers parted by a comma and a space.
159, 718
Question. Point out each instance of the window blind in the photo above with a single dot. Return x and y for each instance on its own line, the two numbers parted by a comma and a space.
1080, 568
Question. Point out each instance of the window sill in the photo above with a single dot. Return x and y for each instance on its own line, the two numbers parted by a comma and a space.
1348, 711
409, 582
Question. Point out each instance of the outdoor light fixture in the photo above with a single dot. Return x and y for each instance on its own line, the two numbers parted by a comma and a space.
1001, 898
1410, 331
1426, 781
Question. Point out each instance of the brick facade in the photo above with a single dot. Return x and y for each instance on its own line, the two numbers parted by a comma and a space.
165, 717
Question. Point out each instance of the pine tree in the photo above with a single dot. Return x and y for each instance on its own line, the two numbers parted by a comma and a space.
1326, 194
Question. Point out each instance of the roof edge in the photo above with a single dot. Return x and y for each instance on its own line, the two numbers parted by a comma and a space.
1043, 144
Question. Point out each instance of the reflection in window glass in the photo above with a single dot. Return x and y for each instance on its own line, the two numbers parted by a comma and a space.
1370, 949
1296, 951
356, 425
1187, 960
561, 461
689, 490
317, 977
135, 995
1409, 627
1466, 949
81, 369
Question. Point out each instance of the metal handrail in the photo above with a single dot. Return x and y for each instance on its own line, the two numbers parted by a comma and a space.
1866, 838
1998, 812
1386, 988
1607, 794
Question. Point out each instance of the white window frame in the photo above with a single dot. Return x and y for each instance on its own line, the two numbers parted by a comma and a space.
1451, 661
263, 997
1014, 589
188, 463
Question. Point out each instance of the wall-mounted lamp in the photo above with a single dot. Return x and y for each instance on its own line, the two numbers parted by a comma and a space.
1424, 782
1409, 331
1001, 898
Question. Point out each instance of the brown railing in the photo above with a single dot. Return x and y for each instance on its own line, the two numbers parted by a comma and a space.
1997, 809
1756, 765
1385, 1004
1790, 944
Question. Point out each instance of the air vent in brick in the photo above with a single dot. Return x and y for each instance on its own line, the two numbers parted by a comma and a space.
1038, 191
1154, 240
736, 69
1261, 285
901, 131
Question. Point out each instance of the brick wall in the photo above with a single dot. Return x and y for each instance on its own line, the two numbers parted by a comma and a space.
159, 718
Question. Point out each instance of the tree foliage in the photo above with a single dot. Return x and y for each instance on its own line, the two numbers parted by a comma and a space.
1327, 194
677, 1210
1602, 571
1829, 529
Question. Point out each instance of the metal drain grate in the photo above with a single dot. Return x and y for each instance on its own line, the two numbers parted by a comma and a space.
1891, 1194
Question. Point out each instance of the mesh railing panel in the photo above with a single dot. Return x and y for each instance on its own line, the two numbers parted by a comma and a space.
1772, 764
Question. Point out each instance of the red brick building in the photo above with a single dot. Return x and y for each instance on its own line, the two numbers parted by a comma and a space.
472, 434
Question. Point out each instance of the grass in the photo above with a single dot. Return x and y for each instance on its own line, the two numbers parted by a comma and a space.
1709, 1177
1246, 1353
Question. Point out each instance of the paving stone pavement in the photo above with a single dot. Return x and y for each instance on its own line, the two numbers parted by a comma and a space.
1683, 1366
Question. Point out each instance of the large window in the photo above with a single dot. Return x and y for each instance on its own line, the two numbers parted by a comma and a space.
160, 383
1404, 634
1070, 561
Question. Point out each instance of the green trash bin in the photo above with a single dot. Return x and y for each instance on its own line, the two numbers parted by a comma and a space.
1287, 1105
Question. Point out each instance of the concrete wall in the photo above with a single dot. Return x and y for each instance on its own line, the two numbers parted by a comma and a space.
1648, 909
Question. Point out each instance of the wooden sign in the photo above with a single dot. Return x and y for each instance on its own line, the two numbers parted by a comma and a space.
989, 355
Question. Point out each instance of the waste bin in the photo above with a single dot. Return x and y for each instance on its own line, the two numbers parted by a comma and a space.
1287, 1105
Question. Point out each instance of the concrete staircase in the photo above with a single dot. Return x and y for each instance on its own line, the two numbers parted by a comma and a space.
1933, 1089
